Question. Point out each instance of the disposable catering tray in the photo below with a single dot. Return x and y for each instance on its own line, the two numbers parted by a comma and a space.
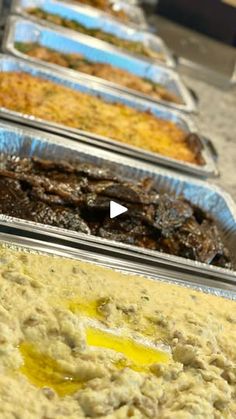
81, 83
26, 31
220, 288
134, 13
27, 142
94, 19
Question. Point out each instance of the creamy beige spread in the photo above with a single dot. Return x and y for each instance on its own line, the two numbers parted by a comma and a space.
78, 340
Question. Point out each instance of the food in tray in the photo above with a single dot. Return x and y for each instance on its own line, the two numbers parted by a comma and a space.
78, 340
108, 7
102, 70
134, 47
57, 103
76, 196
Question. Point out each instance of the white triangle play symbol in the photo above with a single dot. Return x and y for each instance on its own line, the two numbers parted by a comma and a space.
116, 209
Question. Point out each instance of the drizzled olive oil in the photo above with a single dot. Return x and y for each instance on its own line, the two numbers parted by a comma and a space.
44, 371
90, 309
137, 355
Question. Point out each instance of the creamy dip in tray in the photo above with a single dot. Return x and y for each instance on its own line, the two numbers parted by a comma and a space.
80, 340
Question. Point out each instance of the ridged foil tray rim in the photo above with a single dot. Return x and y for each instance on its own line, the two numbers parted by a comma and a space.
89, 255
144, 254
131, 10
118, 248
102, 142
16, 8
188, 106
62, 141
209, 169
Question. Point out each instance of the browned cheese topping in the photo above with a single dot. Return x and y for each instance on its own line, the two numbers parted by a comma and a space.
49, 101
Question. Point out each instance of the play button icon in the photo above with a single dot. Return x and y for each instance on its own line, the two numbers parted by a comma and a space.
116, 209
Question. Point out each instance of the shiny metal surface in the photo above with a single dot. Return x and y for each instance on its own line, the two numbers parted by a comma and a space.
21, 30
81, 83
26, 142
218, 288
135, 14
92, 18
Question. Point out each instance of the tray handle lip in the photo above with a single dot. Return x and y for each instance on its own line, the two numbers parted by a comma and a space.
211, 148
194, 96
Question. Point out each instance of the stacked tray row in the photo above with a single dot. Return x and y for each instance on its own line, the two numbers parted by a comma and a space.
52, 39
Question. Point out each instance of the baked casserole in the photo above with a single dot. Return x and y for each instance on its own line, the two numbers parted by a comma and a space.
56, 103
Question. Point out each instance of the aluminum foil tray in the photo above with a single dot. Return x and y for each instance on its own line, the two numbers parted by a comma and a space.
134, 13
92, 18
214, 287
81, 83
131, 2
26, 142
26, 31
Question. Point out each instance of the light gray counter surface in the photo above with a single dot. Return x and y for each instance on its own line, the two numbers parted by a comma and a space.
217, 120
217, 108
